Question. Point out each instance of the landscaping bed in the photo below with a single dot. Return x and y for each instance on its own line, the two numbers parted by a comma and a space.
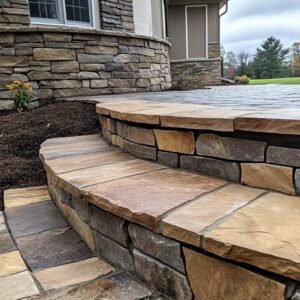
22, 133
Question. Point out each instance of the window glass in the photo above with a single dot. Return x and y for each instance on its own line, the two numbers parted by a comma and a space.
78, 10
43, 9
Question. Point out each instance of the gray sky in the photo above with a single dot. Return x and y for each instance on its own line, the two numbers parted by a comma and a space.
248, 23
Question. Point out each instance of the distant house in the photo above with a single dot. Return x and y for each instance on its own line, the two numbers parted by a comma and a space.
91, 47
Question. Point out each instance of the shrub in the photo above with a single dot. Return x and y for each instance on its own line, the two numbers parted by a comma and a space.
21, 94
242, 79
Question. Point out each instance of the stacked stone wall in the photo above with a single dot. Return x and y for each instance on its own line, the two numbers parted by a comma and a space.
265, 161
14, 12
77, 62
116, 15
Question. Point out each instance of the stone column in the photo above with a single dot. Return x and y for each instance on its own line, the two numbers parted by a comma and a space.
116, 15
14, 12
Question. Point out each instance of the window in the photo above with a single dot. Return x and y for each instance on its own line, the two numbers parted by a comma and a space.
69, 12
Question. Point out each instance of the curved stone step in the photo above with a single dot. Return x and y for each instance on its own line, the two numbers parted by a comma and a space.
105, 194
263, 152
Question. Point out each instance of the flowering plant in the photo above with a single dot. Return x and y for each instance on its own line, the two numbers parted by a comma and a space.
242, 79
21, 94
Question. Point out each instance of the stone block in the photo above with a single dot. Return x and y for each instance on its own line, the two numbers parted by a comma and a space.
230, 148
110, 225
140, 135
164, 249
11, 263
82, 208
161, 277
13, 61
121, 129
212, 167
39, 75
61, 84
121, 83
175, 141
168, 159
126, 58
79, 226
94, 59
88, 75
267, 176
92, 67
113, 252
65, 67
7, 38
101, 50
117, 141
140, 150
214, 279
102, 83
283, 156
53, 54
28, 37
57, 37
108, 124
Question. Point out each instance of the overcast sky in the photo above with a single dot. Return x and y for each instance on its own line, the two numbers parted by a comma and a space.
248, 23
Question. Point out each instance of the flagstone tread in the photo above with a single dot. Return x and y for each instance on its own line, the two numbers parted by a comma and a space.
24, 196
196, 209
201, 116
11, 263
34, 218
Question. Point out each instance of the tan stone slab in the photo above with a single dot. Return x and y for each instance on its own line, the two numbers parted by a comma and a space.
143, 198
3, 228
74, 273
79, 226
17, 286
140, 135
100, 174
11, 263
268, 176
71, 139
175, 141
189, 222
68, 164
213, 279
266, 234
280, 121
20, 197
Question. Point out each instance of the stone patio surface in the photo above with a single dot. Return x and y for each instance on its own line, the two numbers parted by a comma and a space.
43, 258
243, 224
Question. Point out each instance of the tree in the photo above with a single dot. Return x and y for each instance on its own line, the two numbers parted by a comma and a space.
243, 62
230, 58
295, 59
269, 59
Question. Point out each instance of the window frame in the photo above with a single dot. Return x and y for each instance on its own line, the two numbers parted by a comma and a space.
62, 17
187, 32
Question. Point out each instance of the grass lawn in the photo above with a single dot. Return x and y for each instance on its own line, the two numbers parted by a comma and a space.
292, 80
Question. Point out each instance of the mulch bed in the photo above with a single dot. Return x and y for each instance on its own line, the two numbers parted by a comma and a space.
22, 133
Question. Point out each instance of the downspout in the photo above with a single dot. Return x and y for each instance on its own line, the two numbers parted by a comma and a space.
222, 58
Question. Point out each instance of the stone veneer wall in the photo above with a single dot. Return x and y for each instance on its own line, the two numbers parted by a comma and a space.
116, 15
14, 12
193, 74
75, 62
166, 265
259, 160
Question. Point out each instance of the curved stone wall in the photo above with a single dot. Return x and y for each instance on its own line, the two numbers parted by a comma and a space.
74, 62
167, 134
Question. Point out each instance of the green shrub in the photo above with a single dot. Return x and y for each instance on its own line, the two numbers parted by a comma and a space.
242, 79
21, 94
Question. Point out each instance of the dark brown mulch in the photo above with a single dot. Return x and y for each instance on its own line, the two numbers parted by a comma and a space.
22, 133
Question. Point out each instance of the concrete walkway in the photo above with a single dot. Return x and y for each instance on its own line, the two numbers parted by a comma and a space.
41, 257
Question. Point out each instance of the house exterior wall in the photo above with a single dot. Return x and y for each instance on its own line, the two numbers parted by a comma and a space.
190, 72
68, 61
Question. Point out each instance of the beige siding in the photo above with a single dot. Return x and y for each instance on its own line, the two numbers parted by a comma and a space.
177, 31
157, 19
213, 23
197, 31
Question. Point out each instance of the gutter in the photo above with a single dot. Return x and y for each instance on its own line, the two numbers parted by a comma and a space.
226, 9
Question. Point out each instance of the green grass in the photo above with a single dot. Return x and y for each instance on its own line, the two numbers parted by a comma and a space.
291, 80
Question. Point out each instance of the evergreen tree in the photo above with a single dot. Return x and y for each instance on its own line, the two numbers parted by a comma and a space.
269, 59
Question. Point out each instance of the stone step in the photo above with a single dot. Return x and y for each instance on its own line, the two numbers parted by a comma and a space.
145, 217
41, 257
246, 145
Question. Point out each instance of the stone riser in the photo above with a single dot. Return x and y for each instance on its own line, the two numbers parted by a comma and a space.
167, 266
258, 160
79, 62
